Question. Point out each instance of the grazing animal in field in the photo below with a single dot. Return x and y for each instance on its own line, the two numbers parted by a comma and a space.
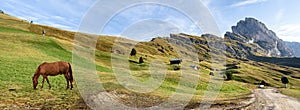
52, 69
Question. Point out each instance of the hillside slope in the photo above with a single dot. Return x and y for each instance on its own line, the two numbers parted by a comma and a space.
21, 53
23, 49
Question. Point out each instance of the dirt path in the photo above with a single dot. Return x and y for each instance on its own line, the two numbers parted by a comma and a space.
265, 99
271, 99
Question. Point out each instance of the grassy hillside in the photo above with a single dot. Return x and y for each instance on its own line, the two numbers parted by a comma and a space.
23, 48
21, 53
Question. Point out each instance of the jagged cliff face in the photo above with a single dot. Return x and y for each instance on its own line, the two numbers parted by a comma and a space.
240, 46
185, 43
205, 45
252, 31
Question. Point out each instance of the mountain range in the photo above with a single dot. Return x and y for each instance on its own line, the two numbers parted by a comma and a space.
295, 47
249, 37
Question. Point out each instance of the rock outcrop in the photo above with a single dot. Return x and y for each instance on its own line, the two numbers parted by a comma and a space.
253, 31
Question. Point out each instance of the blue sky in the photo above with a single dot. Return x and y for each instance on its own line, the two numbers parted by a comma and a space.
281, 16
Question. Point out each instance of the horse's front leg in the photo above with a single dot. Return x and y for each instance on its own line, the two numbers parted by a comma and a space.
48, 82
67, 78
43, 82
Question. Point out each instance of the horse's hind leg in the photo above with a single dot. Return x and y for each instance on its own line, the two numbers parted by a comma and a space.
67, 78
71, 85
48, 82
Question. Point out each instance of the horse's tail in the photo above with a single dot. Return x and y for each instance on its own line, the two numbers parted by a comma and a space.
71, 75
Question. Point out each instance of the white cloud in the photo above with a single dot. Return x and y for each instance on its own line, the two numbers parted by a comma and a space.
246, 2
57, 25
64, 14
150, 11
59, 17
289, 32
206, 2
184, 24
149, 28
279, 15
28, 18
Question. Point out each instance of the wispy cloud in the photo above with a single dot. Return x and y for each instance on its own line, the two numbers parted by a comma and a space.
279, 15
58, 25
64, 14
184, 24
59, 17
206, 2
246, 2
289, 32
147, 29
162, 15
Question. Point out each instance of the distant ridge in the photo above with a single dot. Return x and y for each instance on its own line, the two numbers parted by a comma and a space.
295, 46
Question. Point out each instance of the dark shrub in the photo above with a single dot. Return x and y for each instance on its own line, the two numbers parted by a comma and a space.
284, 80
141, 60
133, 52
229, 75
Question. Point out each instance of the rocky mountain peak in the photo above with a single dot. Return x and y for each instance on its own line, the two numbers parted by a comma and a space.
254, 29
257, 32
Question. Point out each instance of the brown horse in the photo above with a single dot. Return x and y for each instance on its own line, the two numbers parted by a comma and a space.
53, 69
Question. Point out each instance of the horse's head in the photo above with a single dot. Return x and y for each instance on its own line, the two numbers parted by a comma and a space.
35, 82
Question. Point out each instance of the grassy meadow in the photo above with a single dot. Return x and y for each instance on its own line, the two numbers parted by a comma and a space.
21, 53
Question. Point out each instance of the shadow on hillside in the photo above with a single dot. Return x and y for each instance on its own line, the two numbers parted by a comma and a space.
51, 48
288, 61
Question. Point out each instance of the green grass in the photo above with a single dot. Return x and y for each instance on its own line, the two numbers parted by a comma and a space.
250, 73
291, 92
21, 53
11, 30
52, 49
230, 89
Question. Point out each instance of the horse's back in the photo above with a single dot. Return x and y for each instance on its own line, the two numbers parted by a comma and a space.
54, 68
63, 66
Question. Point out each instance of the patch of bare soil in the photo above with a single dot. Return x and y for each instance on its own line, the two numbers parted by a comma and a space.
117, 101
232, 104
